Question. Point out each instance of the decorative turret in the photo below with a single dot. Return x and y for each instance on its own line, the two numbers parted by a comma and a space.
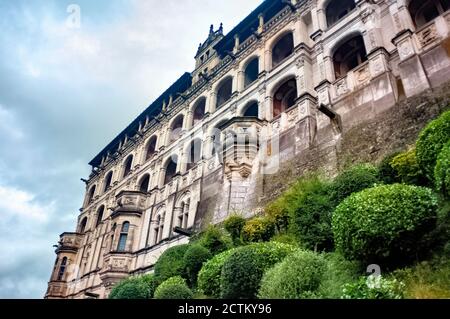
206, 49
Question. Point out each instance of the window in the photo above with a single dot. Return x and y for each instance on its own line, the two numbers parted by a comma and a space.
127, 166
195, 153
224, 92
199, 111
143, 185
176, 128
184, 214
91, 194
284, 97
151, 148
123, 236
171, 169
349, 55
100, 215
251, 110
62, 269
282, 49
159, 228
251, 72
337, 9
108, 180
423, 12
83, 225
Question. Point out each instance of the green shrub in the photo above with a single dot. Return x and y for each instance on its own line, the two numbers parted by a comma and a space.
311, 214
386, 174
141, 287
353, 180
442, 171
298, 276
407, 170
278, 213
373, 288
244, 268
233, 225
194, 258
209, 275
171, 263
258, 229
384, 223
339, 272
173, 288
214, 239
430, 142
286, 238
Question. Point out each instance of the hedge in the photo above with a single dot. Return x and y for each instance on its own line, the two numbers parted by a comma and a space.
141, 287
171, 263
233, 225
173, 288
194, 258
258, 229
442, 171
407, 169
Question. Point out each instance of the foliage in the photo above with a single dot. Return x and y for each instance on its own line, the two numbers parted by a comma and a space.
353, 180
298, 276
373, 288
311, 214
278, 213
233, 225
194, 258
209, 275
286, 238
442, 171
171, 263
430, 143
173, 288
339, 272
258, 229
214, 239
386, 174
384, 223
141, 287
244, 268
407, 170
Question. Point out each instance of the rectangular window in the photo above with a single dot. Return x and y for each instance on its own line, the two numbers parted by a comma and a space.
122, 242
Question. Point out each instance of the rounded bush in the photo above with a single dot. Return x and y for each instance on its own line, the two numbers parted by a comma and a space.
384, 223
171, 263
442, 171
298, 276
244, 268
173, 288
353, 180
194, 258
141, 287
407, 170
233, 225
431, 140
258, 229
209, 275
214, 240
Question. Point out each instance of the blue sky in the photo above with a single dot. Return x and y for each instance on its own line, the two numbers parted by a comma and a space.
65, 93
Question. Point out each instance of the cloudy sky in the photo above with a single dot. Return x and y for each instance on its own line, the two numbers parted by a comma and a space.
65, 92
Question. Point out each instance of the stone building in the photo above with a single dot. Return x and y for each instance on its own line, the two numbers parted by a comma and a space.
292, 74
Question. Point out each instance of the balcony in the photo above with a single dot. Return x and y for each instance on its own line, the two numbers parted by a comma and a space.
130, 202
56, 290
116, 267
433, 32
69, 242
353, 80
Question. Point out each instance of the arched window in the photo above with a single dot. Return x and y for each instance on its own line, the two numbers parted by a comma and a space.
91, 194
62, 269
424, 11
183, 214
83, 225
199, 111
143, 184
284, 97
176, 128
123, 236
216, 138
337, 9
195, 153
251, 72
251, 110
349, 55
171, 169
151, 148
127, 166
159, 228
282, 49
224, 92
100, 215
107, 181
